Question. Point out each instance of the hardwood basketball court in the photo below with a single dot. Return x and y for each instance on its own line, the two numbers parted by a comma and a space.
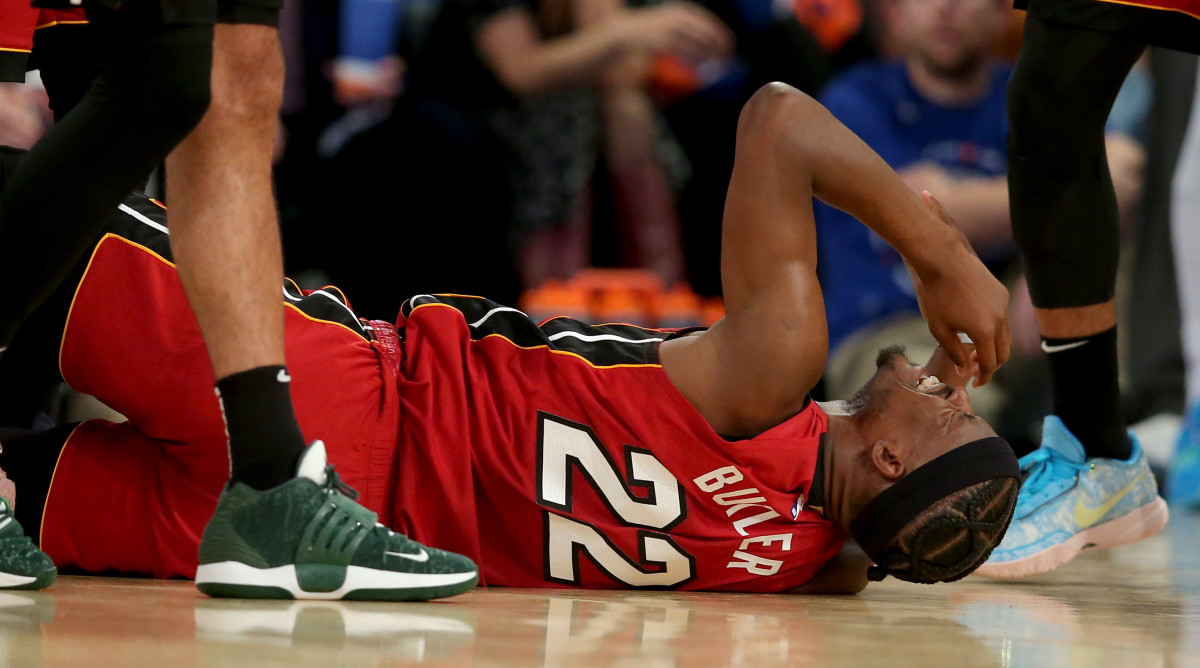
1133, 606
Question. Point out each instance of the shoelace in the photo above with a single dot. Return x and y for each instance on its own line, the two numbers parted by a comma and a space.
1045, 465
333, 483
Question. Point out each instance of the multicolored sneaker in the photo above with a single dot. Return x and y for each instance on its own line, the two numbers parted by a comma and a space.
1183, 475
1069, 504
22, 565
308, 538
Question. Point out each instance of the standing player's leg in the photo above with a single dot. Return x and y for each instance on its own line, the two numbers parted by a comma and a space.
1088, 484
282, 528
63, 57
59, 40
152, 88
225, 237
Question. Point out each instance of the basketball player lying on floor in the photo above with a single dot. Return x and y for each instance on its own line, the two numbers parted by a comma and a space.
566, 454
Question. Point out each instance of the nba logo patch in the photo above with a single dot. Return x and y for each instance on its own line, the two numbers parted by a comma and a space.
797, 507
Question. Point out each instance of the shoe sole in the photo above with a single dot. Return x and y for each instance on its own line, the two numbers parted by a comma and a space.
233, 579
10, 582
1131, 527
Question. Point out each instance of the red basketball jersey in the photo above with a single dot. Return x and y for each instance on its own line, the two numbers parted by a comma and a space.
561, 455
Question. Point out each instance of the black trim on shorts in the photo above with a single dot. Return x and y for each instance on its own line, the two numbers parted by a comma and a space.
249, 12
13, 65
142, 221
1167, 28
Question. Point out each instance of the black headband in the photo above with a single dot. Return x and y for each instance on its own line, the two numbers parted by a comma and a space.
893, 508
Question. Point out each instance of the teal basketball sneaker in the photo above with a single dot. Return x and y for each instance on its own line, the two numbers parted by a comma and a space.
1183, 475
308, 538
1069, 504
22, 565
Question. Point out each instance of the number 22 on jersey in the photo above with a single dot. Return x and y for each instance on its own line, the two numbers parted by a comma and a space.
564, 445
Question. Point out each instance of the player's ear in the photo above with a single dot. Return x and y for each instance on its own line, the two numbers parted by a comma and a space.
886, 458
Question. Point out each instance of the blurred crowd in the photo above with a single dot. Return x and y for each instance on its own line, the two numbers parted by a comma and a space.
572, 156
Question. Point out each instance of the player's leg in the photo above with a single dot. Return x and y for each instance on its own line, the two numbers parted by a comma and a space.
146, 97
1065, 216
283, 527
103, 497
62, 55
1183, 482
225, 238
22, 564
152, 88
131, 339
27, 379
1089, 483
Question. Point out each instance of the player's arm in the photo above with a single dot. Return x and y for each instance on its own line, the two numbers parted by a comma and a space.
846, 573
755, 366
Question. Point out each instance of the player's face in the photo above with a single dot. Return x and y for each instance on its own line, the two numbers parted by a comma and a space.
914, 409
950, 37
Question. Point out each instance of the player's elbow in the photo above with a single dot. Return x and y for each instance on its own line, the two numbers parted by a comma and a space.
776, 113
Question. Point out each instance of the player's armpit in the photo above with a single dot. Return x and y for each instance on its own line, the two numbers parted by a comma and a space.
846, 573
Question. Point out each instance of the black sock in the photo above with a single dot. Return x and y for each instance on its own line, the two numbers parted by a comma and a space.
29, 461
1087, 397
264, 438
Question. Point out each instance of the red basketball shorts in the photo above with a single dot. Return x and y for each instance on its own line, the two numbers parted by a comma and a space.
135, 496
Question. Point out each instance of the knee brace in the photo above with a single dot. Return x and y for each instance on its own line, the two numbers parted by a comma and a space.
1064, 212
162, 83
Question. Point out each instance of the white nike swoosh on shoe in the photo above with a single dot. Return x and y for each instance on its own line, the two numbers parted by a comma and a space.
283, 376
1047, 348
422, 556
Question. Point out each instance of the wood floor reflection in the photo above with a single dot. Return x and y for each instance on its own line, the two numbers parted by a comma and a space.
1130, 607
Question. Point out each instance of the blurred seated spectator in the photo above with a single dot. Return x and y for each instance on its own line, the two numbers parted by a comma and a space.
776, 40
938, 116
490, 151
563, 84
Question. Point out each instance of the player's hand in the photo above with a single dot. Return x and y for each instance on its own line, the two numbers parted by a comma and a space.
683, 29
956, 294
946, 370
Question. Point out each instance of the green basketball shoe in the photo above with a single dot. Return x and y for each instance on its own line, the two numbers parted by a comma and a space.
22, 565
308, 538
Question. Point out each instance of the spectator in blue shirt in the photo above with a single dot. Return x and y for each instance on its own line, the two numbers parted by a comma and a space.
939, 116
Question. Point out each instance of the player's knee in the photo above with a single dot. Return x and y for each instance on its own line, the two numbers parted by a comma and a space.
248, 73
163, 89
1030, 118
1044, 122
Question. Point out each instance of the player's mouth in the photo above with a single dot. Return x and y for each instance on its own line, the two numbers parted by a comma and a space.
930, 384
